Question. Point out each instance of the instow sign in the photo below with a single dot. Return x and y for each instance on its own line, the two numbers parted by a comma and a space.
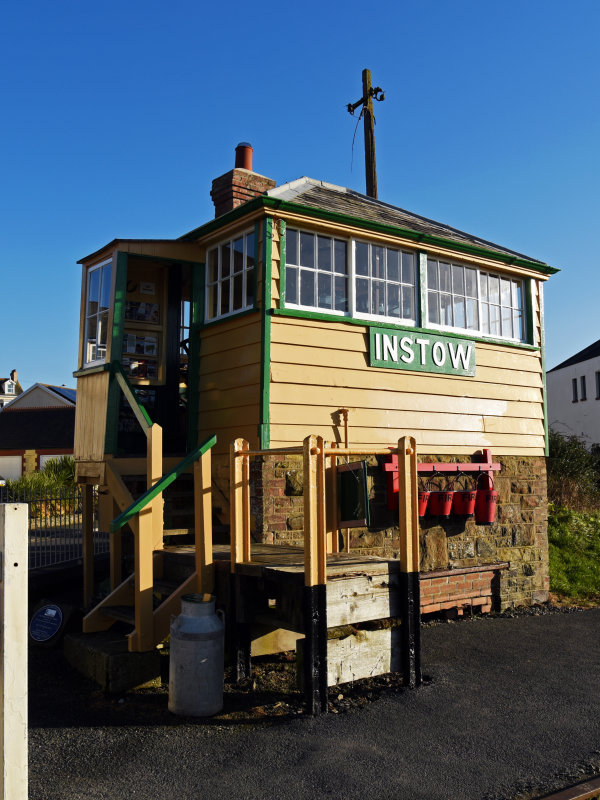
421, 352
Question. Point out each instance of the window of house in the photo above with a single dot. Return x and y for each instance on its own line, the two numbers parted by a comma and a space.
231, 277
10, 388
582, 387
574, 387
316, 271
96, 312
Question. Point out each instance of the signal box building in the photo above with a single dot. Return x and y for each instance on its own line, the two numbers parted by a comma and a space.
308, 308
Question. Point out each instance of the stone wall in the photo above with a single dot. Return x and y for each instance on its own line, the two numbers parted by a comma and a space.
518, 536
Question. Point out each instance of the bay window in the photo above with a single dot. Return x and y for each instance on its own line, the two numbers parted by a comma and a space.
230, 277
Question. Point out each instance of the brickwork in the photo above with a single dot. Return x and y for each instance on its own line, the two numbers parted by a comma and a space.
518, 536
237, 187
472, 588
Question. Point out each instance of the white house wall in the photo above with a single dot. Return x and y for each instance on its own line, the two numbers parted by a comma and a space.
581, 418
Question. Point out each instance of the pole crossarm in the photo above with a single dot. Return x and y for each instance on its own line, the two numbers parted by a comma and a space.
162, 484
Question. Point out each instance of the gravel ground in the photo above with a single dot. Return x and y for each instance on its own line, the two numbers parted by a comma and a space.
510, 710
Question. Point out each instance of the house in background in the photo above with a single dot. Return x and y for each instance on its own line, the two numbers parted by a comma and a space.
574, 395
37, 426
10, 388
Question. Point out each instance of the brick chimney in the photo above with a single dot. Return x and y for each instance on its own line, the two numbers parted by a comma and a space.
240, 184
13, 376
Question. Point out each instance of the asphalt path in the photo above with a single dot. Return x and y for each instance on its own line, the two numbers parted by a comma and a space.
512, 710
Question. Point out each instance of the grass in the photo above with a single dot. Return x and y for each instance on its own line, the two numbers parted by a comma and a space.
574, 549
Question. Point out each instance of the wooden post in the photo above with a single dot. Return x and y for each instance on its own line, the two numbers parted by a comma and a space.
408, 521
107, 511
315, 575
335, 543
14, 537
203, 523
142, 639
242, 642
87, 491
154, 473
247, 555
369, 125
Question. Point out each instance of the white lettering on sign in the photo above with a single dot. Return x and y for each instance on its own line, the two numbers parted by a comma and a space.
437, 353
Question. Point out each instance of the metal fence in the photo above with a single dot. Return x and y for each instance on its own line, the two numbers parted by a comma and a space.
56, 525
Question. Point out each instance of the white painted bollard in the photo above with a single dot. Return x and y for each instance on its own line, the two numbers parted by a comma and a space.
13, 650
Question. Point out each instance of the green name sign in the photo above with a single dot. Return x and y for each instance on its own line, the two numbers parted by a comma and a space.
421, 352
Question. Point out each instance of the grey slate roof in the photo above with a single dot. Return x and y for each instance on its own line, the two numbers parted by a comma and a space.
328, 197
591, 351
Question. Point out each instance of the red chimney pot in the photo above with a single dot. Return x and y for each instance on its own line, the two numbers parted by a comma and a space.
243, 156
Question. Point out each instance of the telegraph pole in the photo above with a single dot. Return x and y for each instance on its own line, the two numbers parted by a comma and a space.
366, 101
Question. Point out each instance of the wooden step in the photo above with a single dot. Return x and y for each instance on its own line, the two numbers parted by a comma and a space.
120, 613
165, 587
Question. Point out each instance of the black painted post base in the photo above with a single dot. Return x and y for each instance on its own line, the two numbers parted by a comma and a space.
241, 634
411, 628
315, 649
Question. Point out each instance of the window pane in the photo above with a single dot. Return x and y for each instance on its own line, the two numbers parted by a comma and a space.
212, 301
362, 258
517, 295
307, 287
432, 274
92, 329
393, 300
378, 297
472, 320
458, 280
250, 245
291, 246
433, 312
238, 288
225, 308
249, 288
103, 330
505, 291
445, 279
307, 250
485, 318
459, 312
324, 290
483, 284
518, 325
470, 282
93, 291
507, 322
324, 245
408, 302
339, 249
341, 294
225, 259
408, 268
446, 309
362, 295
393, 265
494, 286
495, 320
238, 255
105, 291
213, 266
377, 262
291, 285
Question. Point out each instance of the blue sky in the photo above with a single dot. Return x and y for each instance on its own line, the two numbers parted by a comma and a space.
118, 115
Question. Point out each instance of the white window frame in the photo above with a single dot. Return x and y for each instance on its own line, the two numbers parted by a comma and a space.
479, 332
105, 314
9, 388
230, 276
299, 267
404, 321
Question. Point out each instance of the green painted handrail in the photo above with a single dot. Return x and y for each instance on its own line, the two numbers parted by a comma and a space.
161, 484
139, 411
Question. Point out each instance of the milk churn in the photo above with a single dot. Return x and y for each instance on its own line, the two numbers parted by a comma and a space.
196, 658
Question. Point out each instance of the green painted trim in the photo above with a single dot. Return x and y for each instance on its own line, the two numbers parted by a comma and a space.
368, 323
282, 243
116, 351
81, 373
264, 201
421, 316
256, 235
196, 318
209, 323
543, 352
529, 331
138, 409
264, 432
161, 484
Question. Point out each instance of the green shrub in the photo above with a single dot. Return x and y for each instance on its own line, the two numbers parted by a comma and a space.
58, 473
573, 473
574, 550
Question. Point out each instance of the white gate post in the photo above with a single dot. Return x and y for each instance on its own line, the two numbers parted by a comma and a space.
14, 538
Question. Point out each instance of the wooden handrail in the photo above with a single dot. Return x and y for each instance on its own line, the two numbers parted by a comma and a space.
162, 484
139, 411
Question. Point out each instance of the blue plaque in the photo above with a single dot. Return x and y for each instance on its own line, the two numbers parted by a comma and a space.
45, 623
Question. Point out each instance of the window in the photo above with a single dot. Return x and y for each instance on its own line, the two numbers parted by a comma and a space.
582, 387
502, 310
231, 273
384, 282
316, 271
96, 312
10, 388
574, 387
